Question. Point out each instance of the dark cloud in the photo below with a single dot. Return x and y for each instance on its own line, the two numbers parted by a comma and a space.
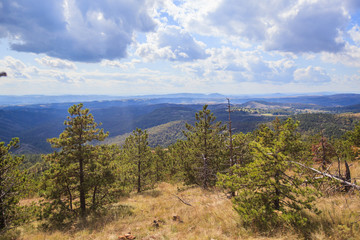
78, 30
353, 5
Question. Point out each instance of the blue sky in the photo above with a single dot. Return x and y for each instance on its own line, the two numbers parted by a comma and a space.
124, 47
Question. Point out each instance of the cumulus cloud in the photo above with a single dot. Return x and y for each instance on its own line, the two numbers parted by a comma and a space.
233, 65
15, 68
79, 30
313, 75
172, 43
299, 26
309, 27
56, 63
350, 56
355, 34
118, 64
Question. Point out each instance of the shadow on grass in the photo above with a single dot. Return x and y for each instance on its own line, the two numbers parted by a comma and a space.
96, 220
151, 193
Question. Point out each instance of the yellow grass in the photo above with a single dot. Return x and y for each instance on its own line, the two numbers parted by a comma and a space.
211, 216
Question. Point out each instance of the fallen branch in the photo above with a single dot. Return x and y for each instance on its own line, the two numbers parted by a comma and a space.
357, 187
183, 201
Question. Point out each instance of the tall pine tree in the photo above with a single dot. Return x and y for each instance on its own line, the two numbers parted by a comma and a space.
72, 181
137, 150
205, 143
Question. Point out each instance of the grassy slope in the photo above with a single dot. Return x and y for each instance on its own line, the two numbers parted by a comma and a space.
211, 216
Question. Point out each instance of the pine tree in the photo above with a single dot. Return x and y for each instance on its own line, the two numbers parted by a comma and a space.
270, 188
138, 152
160, 164
76, 169
12, 183
205, 143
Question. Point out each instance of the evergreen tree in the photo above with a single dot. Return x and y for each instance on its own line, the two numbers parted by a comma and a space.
160, 164
138, 152
78, 170
269, 188
205, 143
12, 183
178, 166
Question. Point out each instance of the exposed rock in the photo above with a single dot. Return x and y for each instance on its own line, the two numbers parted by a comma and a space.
126, 236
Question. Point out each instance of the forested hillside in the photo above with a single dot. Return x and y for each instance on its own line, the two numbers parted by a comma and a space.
284, 179
35, 123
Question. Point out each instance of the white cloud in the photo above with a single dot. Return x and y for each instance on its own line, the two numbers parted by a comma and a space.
311, 75
15, 68
355, 34
299, 26
309, 26
350, 56
171, 43
233, 65
56, 63
118, 64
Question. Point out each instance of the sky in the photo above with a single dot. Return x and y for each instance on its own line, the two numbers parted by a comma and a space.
138, 47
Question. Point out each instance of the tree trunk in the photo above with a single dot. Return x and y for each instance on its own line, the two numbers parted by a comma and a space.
232, 162
94, 197
205, 166
70, 197
139, 177
347, 176
82, 191
277, 192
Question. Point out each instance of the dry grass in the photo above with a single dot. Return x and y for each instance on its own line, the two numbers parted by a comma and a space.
340, 218
211, 216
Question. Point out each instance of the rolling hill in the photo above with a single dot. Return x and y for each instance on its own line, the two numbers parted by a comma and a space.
33, 124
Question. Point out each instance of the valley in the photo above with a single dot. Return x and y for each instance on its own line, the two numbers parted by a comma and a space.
164, 116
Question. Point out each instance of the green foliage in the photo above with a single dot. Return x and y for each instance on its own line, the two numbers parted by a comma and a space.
161, 164
178, 166
269, 188
12, 185
353, 141
138, 154
331, 125
205, 149
241, 148
79, 174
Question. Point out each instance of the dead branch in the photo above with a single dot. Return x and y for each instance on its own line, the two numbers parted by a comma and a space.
183, 201
357, 187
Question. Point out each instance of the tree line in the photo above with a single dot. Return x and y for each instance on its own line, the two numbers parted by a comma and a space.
263, 171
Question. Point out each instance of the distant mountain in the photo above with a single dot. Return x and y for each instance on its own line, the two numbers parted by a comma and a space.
33, 124
336, 100
181, 98
6, 100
